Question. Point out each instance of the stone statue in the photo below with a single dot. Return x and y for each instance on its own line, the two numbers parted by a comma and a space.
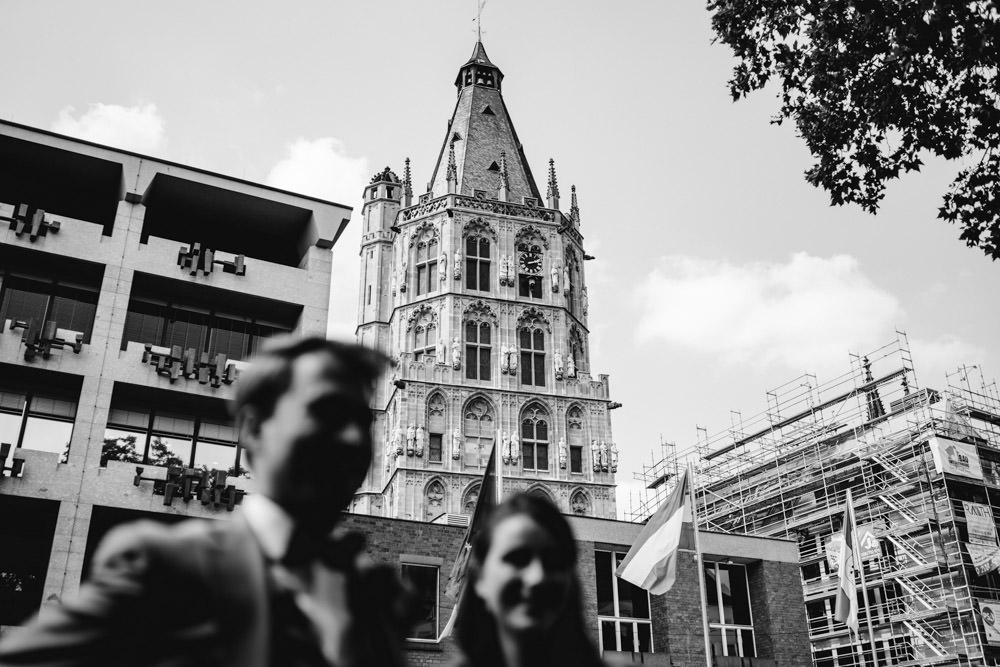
411, 437
504, 448
456, 353
441, 352
570, 366
562, 453
613, 464
605, 457
595, 453
585, 300
554, 275
403, 270
421, 441
515, 448
456, 444
513, 359
504, 359
443, 266
457, 271
557, 364
566, 285
397, 442
504, 270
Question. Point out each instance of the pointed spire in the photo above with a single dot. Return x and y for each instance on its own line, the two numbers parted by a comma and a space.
875, 407
503, 179
574, 209
407, 184
452, 175
552, 194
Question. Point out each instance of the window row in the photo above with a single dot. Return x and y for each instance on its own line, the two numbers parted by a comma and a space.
37, 420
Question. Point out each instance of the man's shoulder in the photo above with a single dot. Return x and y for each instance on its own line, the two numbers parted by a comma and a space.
148, 539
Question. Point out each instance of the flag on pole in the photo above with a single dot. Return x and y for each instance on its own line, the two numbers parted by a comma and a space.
489, 497
651, 563
846, 606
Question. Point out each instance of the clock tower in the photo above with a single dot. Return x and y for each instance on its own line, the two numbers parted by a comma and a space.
476, 289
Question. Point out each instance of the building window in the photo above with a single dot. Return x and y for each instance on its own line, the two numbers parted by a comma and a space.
427, 259
535, 439
622, 608
172, 438
435, 427
70, 306
424, 580
478, 353
424, 340
529, 286
480, 430
36, 420
166, 325
477, 263
574, 423
532, 357
730, 620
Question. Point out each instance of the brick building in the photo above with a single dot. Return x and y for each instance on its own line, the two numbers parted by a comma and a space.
131, 291
477, 288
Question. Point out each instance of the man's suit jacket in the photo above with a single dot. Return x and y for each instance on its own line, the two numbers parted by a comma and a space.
195, 593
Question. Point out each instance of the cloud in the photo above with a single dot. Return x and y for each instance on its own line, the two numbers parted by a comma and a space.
137, 128
933, 358
322, 168
806, 313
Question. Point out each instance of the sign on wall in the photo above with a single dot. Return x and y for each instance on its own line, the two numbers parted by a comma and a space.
956, 458
990, 611
867, 545
979, 519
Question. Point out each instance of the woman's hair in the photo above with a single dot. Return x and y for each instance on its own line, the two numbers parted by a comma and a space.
567, 641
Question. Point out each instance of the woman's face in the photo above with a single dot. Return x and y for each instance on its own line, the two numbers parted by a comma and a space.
522, 581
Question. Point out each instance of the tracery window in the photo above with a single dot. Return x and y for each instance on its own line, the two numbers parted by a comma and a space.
477, 263
426, 264
480, 431
424, 339
435, 427
535, 438
532, 342
478, 350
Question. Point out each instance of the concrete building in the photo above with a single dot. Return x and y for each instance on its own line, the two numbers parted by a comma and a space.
131, 291
923, 466
477, 289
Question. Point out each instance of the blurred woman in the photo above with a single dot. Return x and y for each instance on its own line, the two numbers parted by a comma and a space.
521, 604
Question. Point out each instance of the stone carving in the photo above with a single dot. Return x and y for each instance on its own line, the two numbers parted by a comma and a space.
411, 438
504, 359
513, 359
557, 364
562, 453
566, 284
506, 450
443, 267
397, 442
441, 352
471, 498
613, 458
456, 353
570, 366
605, 457
579, 503
403, 269
585, 300
595, 453
434, 499
554, 276
506, 272
456, 444
515, 448
421, 441
457, 271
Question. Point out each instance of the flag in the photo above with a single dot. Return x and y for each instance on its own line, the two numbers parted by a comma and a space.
846, 605
651, 563
489, 497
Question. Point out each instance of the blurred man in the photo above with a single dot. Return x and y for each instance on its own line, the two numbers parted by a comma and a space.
269, 587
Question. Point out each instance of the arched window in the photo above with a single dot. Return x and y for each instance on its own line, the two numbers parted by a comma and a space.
574, 429
541, 492
535, 438
532, 342
477, 263
434, 499
470, 499
478, 350
579, 502
480, 431
427, 259
435, 428
424, 338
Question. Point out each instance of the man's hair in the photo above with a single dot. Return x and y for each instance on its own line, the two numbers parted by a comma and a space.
270, 372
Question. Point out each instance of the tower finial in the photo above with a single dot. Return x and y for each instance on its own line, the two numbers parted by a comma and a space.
503, 179
552, 193
574, 209
452, 175
407, 184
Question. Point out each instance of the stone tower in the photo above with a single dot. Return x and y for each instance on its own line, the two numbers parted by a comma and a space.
477, 291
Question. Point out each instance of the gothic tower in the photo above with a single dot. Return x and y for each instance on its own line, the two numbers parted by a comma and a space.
477, 291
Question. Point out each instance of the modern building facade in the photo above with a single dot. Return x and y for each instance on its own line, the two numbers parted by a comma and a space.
923, 467
477, 289
131, 292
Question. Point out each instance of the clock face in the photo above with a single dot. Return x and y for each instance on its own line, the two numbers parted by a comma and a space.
531, 262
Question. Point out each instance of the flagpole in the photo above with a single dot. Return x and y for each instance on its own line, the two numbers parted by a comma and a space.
860, 569
701, 567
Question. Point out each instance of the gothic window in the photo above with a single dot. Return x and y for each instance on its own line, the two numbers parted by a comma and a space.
540, 492
478, 350
434, 499
574, 424
480, 430
535, 438
477, 263
579, 503
427, 259
435, 428
424, 338
532, 356
470, 499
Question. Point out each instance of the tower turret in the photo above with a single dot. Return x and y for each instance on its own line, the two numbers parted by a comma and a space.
382, 199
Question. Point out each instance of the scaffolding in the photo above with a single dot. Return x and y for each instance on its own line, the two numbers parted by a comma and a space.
786, 471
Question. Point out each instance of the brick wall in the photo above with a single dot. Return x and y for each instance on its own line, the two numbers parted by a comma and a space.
779, 613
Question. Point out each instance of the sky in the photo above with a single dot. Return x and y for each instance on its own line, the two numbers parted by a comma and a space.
720, 273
